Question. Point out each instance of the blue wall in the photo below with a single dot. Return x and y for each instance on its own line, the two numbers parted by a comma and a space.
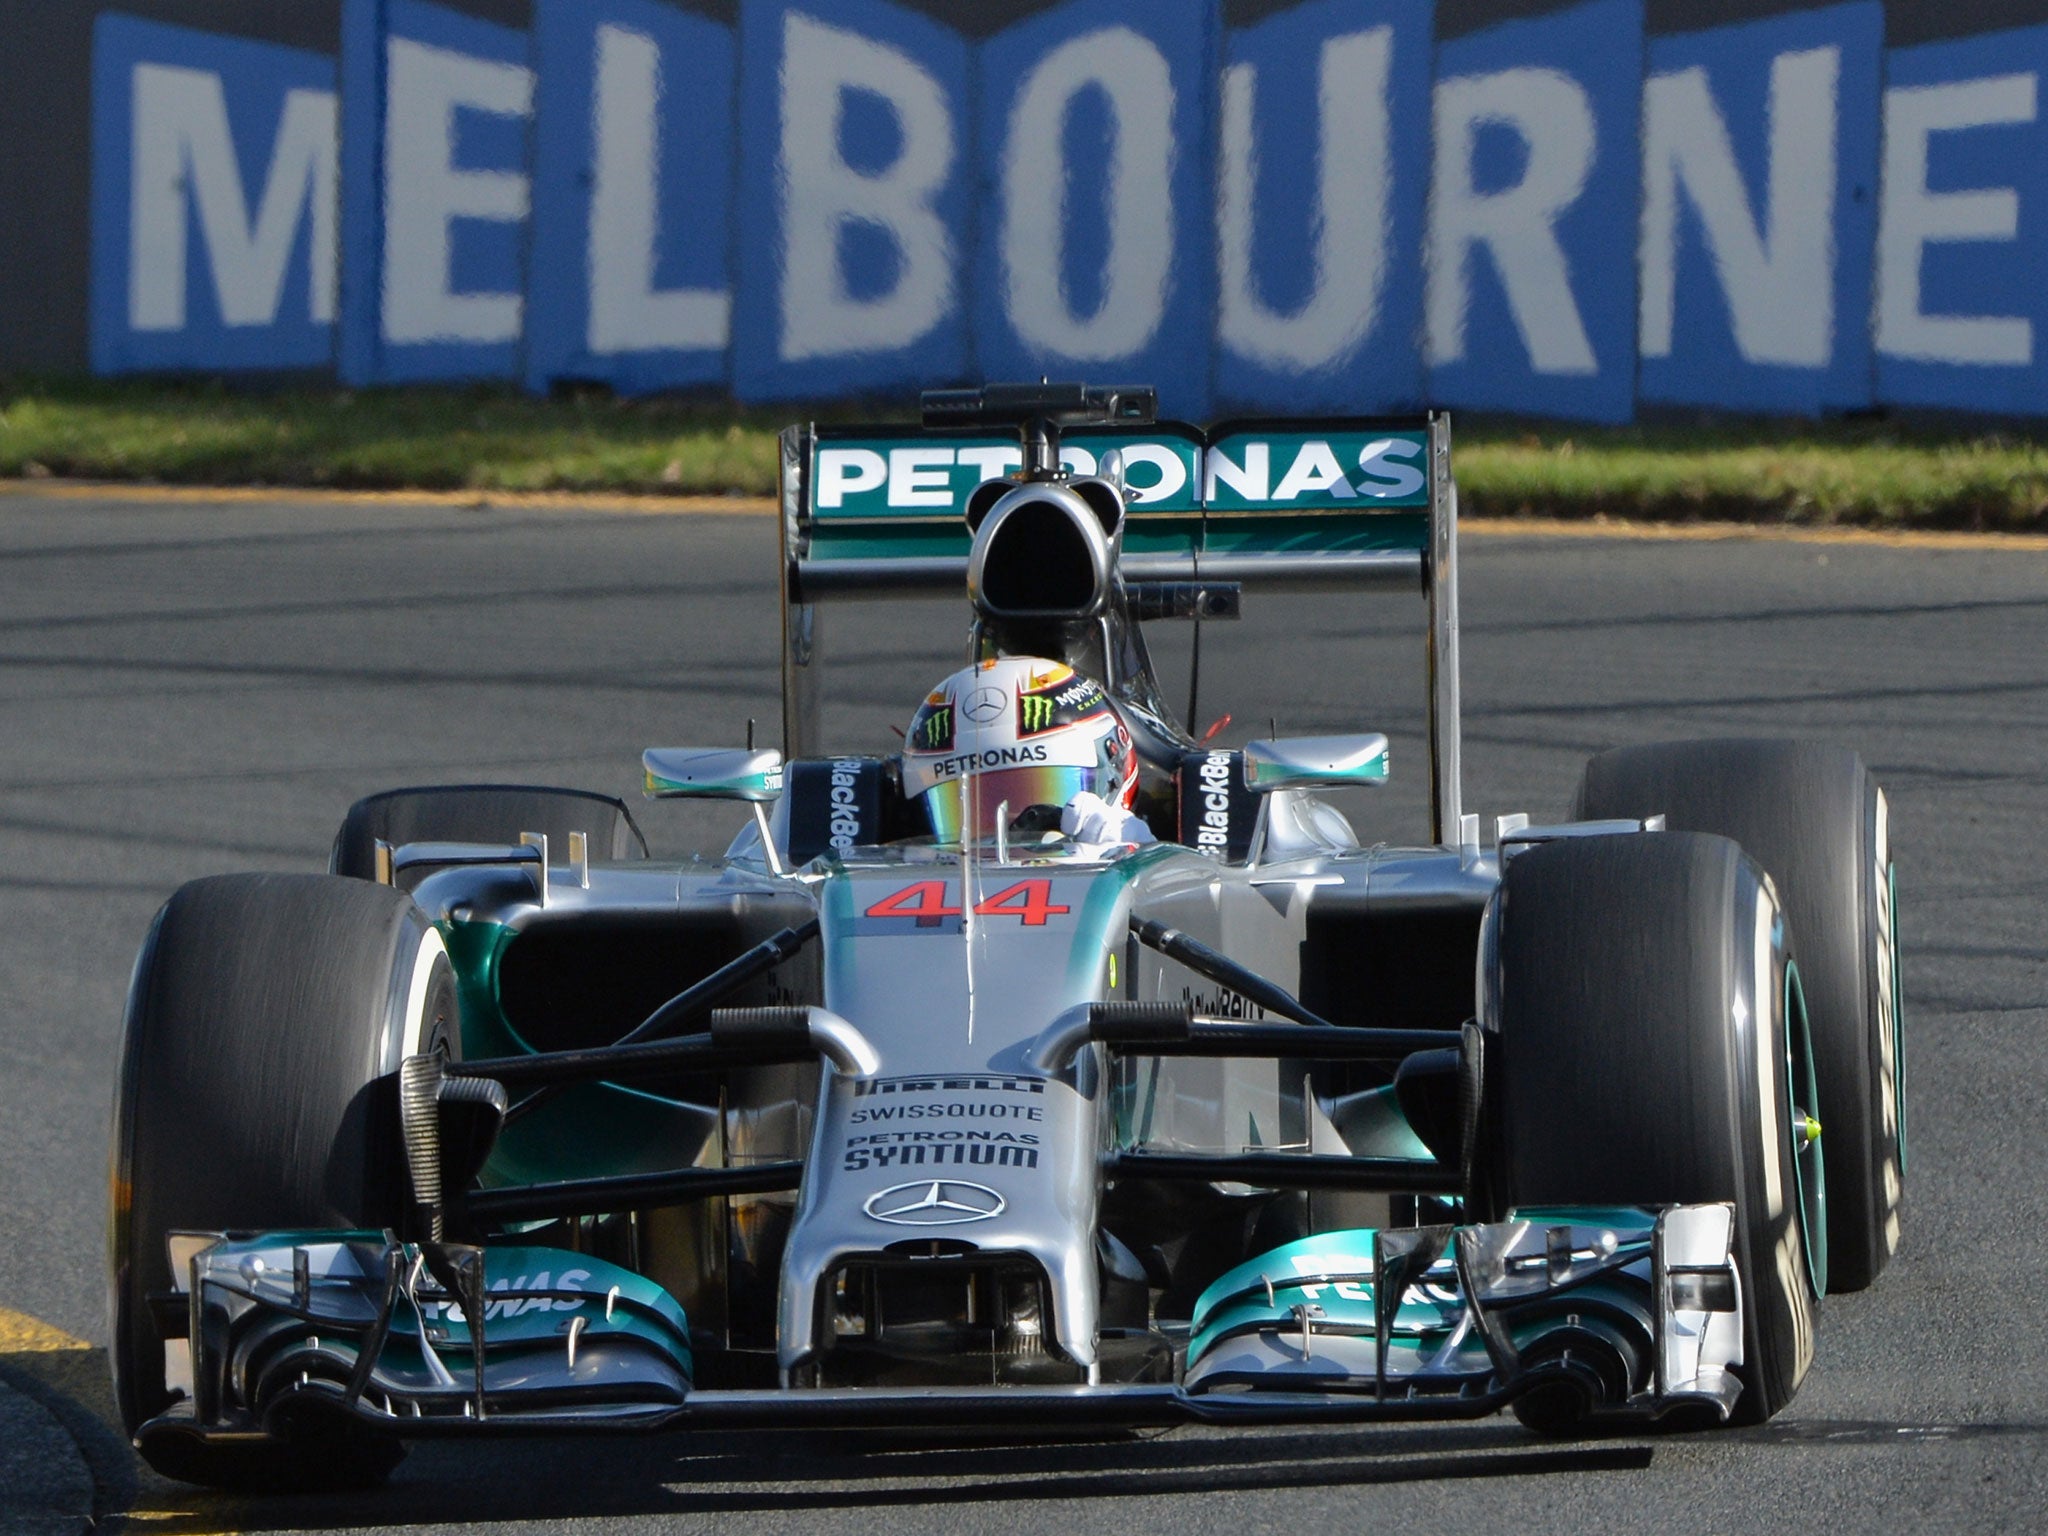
1353, 205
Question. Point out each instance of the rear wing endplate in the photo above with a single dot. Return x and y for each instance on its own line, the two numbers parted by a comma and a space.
1363, 504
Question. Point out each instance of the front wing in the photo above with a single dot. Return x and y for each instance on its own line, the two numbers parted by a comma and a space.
1620, 1314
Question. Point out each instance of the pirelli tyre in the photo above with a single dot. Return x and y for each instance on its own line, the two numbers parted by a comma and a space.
1813, 816
482, 813
1647, 1048
267, 1018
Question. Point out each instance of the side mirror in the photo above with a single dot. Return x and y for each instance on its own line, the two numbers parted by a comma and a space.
711, 773
1314, 762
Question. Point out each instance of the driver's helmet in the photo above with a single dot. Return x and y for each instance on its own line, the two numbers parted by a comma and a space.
1019, 731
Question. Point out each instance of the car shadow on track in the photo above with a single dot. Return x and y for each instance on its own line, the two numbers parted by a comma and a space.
519, 1480
527, 1480
449, 1483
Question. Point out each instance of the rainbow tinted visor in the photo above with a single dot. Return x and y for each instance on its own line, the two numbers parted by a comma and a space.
966, 810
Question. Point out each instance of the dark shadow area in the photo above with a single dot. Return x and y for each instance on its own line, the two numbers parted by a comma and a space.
74, 1386
676, 1475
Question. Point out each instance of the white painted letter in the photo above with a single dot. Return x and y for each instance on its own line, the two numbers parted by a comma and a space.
1249, 480
821, 193
182, 153
1315, 468
841, 470
1383, 477
920, 477
425, 193
1173, 472
627, 312
1349, 223
1130, 72
1913, 218
1778, 280
1516, 224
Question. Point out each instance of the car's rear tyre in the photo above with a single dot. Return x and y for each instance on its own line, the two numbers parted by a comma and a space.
1813, 816
267, 1017
482, 813
1648, 1052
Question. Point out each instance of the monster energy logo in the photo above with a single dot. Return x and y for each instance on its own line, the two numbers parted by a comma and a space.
935, 729
1034, 711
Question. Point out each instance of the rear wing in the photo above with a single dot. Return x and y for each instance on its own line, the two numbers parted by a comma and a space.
1363, 504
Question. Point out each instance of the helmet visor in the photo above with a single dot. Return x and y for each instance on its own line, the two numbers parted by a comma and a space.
967, 810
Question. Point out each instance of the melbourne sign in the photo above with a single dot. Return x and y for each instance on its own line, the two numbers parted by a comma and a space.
1350, 206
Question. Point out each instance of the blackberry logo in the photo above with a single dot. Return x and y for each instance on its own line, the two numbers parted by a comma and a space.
845, 817
1212, 831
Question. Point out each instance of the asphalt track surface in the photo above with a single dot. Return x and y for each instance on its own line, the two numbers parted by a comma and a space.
188, 689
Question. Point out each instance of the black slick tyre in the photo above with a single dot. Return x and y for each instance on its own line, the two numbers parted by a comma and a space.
267, 1018
1649, 1052
482, 813
1815, 819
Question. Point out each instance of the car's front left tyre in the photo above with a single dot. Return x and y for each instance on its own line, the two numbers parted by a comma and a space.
1648, 1048
1815, 818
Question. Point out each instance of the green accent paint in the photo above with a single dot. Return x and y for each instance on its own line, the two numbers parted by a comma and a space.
642, 1309
1299, 533
587, 1130
937, 541
1333, 1271
1375, 1127
1315, 533
1104, 915
475, 950
1809, 1158
1273, 774
1891, 874
753, 786
1305, 1271
1163, 537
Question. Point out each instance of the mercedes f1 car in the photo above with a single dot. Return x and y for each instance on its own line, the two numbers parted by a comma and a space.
930, 1105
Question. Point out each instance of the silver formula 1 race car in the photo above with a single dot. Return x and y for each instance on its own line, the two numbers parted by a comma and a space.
1058, 1072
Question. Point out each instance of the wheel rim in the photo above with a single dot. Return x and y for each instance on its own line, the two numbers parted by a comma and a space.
1803, 1128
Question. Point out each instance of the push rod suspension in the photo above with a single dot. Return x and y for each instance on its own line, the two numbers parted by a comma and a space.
1221, 969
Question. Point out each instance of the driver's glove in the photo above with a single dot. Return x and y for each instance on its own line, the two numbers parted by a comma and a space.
1088, 818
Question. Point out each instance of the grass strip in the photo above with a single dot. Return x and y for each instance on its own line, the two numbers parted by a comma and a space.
1869, 473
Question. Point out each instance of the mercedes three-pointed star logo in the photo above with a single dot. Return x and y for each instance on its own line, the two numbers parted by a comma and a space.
934, 1203
987, 704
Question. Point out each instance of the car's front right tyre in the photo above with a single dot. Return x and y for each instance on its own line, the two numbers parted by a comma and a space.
267, 1018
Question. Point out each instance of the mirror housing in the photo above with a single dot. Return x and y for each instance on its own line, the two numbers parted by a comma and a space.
1314, 762
711, 773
